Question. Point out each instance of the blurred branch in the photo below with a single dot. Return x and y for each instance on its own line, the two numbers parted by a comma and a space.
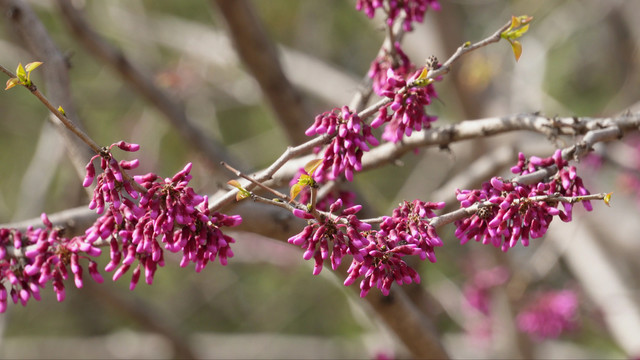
606, 283
32, 35
212, 150
260, 56
39, 175
142, 312
412, 327
476, 173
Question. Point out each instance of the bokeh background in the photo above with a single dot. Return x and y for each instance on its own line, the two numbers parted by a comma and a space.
580, 59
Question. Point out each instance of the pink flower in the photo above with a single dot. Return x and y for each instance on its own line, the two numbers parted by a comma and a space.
477, 291
48, 257
343, 155
407, 111
549, 315
508, 213
406, 232
413, 9
331, 238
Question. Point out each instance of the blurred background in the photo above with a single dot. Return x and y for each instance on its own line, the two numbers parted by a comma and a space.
580, 58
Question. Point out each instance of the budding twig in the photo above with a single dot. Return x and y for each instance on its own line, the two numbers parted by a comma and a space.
462, 213
254, 182
66, 121
292, 152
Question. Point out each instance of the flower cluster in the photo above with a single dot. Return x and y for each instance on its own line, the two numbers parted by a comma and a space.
332, 236
549, 315
508, 212
566, 181
406, 232
406, 113
414, 10
111, 181
396, 61
169, 215
344, 153
47, 257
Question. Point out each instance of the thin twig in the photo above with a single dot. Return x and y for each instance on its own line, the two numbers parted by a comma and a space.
254, 182
461, 213
63, 118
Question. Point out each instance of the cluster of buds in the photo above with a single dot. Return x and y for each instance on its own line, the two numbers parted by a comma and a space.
47, 256
414, 10
396, 61
331, 236
508, 212
406, 232
406, 113
169, 215
344, 154
111, 181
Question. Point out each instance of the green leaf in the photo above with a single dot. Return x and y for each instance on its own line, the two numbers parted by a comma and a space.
518, 33
21, 73
517, 49
312, 165
242, 194
607, 198
233, 183
295, 190
61, 111
423, 74
32, 66
12, 82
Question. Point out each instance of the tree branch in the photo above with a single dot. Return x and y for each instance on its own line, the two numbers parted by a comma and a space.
32, 35
211, 149
259, 55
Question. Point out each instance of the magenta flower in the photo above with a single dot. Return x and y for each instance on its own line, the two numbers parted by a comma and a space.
332, 237
508, 214
168, 215
413, 9
382, 265
344, 153
407, 111
396, 61
111, 180
48, 257
171, 216
550, 315
406, 232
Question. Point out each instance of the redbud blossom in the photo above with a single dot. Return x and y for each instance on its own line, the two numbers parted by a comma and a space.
169, 215
332, 237
48, 257
397, 61
506, 211
414, 10
406, 232
344, 154
407, 111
